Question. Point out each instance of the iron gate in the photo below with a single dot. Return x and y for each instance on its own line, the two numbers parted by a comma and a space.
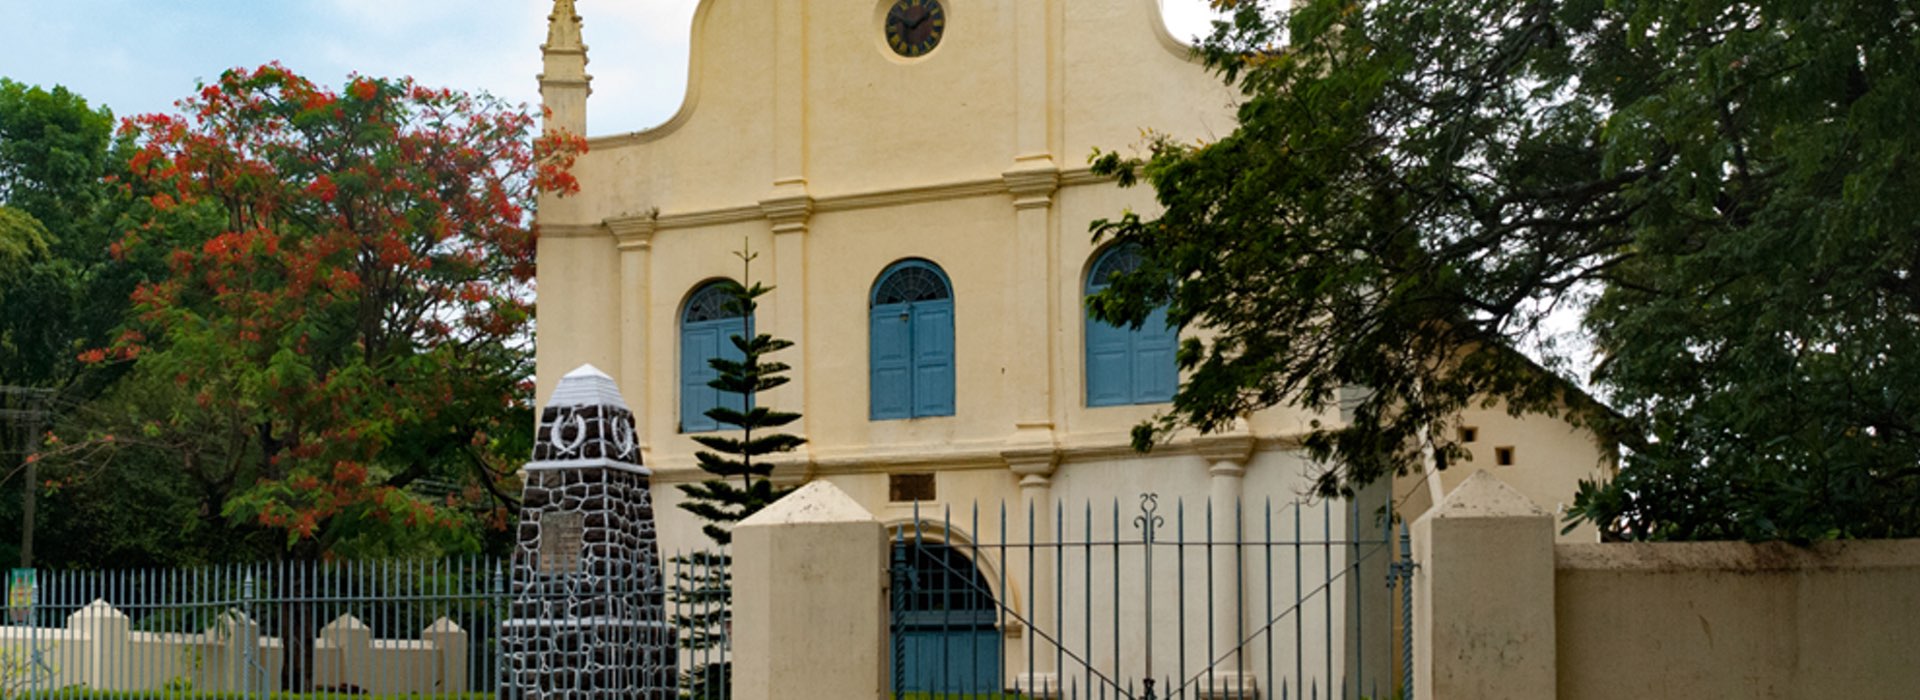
1285, 601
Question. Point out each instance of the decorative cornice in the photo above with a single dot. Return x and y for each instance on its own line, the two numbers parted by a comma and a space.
712, 217
1032, 188
789, 214
1081, 177
1028, 181
976, 456
634, 232
1032, 452
911, 195
1233, 447
572, 230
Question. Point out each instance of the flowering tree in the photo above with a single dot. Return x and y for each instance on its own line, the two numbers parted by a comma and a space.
343, 332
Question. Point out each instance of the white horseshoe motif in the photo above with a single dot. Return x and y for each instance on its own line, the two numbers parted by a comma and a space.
579, 434
623, 437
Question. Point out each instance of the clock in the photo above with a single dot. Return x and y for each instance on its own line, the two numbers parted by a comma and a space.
914, 27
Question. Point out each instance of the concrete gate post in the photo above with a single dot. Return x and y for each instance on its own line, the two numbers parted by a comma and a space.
809, 599
1483, 596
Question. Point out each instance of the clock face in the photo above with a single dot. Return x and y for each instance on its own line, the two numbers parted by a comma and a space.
914, 27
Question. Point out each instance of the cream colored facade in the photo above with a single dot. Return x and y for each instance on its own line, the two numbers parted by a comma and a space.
805, 138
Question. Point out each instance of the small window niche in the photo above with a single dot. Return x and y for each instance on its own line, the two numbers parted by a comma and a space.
906, 488
1468, 434
1503, 456
561, 542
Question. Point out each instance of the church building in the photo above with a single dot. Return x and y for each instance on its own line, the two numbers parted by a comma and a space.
913, 177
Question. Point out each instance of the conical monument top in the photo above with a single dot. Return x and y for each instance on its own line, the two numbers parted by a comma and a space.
586, 385
586, 424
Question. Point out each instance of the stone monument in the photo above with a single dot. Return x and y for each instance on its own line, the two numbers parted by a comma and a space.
587, 617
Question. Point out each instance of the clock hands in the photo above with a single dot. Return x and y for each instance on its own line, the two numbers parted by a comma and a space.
907, 24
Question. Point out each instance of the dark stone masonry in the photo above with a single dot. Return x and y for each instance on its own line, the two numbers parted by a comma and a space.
587, 616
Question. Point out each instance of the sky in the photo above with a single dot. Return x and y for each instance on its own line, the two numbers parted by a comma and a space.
139, 56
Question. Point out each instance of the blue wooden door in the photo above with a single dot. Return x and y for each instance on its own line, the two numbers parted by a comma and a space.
946, 623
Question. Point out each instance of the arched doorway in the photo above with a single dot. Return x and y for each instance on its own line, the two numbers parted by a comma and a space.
944, 620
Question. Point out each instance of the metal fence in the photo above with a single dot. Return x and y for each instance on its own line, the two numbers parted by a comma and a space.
1153, 600
1286, 599
418, 629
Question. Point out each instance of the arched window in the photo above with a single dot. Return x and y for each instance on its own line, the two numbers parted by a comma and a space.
1128, 365
707, 328
910, 342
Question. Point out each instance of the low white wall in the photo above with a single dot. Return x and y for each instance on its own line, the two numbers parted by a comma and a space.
98, 649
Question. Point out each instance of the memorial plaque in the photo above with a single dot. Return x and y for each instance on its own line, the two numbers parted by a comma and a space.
560, 542
902, 488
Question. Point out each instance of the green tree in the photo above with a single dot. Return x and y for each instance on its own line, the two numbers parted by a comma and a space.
1415, 188
741, 482
60, 292
337, 345
57, 298
337, 348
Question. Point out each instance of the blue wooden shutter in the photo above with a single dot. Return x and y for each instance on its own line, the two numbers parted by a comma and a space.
1155, 371
933, 357
1109, 364
889, 362
1128, 365
698, 341
725, 348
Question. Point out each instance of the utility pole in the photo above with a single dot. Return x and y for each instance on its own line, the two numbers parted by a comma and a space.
30, 495
32, 415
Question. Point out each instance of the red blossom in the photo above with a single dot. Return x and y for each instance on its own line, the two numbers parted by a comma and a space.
347, 249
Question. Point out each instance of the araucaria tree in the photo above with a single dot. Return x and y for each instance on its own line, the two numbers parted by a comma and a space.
341, 334
741, 482
1725, 191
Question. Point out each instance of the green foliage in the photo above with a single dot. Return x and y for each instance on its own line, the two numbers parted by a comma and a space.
741, 483
188, 694
348, 343
22, 240
1723, 188
52, 153
60, 291
296, 311
56, 212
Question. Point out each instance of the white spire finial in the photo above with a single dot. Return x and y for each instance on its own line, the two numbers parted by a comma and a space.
564, 83
563, 27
